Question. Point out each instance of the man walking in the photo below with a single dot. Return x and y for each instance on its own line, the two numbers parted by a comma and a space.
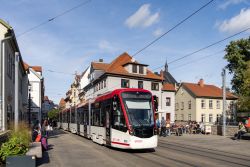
163, 127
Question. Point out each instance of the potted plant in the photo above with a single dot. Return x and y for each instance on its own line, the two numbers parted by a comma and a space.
16, 147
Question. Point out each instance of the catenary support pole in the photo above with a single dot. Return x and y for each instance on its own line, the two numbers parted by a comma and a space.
224, 100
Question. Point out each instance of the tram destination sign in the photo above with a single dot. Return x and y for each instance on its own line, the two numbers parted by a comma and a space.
136, 95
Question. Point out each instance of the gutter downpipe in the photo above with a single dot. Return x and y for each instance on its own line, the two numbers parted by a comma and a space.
2, 83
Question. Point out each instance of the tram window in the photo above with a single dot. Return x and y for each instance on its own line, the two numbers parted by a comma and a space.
72, 116
96, 117
102, 116
119, 119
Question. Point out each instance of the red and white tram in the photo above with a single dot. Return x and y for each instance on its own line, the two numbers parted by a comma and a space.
123, 118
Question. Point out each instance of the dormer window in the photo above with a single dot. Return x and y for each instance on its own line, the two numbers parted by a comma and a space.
134, 68
141, 69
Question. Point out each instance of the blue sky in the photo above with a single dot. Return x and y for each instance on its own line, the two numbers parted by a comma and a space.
107, 28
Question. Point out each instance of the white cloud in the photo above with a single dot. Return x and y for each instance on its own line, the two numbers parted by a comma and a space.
236, 23
142, 17
227, 3
158, 32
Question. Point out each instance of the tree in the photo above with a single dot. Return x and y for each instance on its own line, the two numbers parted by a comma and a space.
52, 114
238, 57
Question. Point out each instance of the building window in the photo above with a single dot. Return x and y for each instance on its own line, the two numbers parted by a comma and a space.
182, 117
210, 118
210, 104
177, 106
189, 117
124, 83
189, 104
168, 101
141, 69
104, 84
134, 68
140, 84
155, 86
218, 104
203, 104
101, 85
218, 118
203, 118
182, 105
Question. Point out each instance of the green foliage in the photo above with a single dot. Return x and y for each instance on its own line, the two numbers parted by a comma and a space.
238, 57
17, 144
52, 114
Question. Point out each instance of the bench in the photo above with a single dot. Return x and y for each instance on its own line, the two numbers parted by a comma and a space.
35, 150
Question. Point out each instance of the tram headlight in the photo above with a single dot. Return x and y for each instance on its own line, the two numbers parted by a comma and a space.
155, 131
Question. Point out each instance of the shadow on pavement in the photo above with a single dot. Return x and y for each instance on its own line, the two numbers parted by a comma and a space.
44, 160
133, 151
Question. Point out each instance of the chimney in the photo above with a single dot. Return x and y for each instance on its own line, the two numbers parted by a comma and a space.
100, 60
201, 82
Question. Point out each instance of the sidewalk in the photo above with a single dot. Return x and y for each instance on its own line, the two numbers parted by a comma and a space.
212, 142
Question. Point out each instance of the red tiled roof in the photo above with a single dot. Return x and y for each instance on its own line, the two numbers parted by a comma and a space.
116, 67
62, 102
207, 91
35, 68
26, 66
168, 87
46, 98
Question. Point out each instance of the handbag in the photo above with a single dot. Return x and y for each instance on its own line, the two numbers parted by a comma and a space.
38, 138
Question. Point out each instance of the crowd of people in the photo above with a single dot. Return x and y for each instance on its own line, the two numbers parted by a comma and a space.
165, 128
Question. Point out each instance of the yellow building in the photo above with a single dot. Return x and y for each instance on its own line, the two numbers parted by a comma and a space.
202, 103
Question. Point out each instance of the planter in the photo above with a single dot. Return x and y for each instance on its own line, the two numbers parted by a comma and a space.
20, 161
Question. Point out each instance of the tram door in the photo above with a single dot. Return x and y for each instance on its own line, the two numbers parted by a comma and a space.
108, 131
68, 118
85, 122
78, 119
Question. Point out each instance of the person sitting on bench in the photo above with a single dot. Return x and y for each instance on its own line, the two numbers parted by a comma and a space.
241, 131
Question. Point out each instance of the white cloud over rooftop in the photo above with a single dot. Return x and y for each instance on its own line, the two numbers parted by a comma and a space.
143, 17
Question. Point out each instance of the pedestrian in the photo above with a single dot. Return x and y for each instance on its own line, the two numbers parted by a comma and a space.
36, 134
163, 127
241, 131
158, 125
168, 128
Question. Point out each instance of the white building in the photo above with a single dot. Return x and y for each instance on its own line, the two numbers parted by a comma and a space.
13, 80
36, 91
202, 103
125, 72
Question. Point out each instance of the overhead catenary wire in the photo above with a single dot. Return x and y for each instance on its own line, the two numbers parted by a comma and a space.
196, 60
53, 18
171, 29
203, 48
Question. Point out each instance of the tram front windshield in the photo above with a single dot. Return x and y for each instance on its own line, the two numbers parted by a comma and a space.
139, 108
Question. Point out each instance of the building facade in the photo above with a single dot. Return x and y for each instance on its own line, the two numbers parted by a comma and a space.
36, 92
203, 103
13, 80
125, 72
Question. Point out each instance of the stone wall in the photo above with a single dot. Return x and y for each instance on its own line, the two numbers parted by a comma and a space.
4, 137
230, 130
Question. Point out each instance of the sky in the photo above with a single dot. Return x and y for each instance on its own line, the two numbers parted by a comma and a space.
107, 28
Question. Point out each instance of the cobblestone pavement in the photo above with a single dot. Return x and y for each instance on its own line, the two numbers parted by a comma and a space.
189, 150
